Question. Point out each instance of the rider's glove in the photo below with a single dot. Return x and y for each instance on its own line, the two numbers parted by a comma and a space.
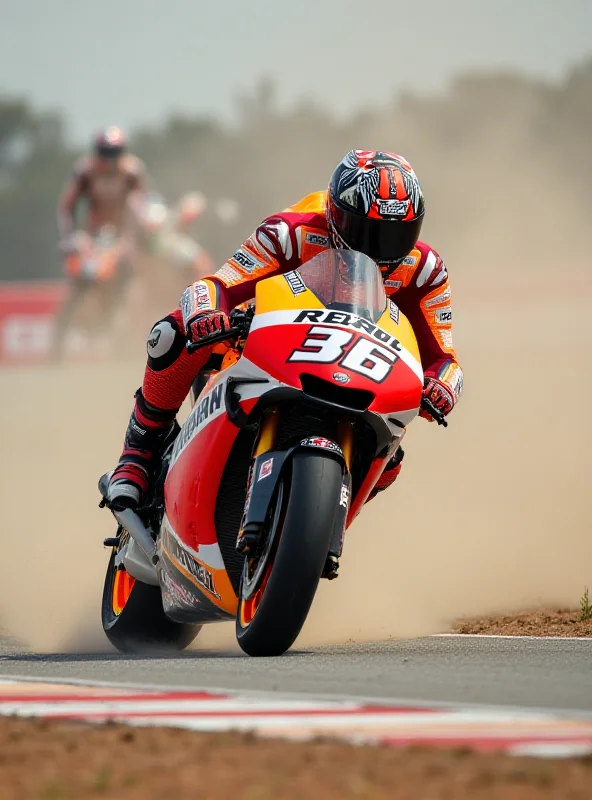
439, 395
200, 317
205, 323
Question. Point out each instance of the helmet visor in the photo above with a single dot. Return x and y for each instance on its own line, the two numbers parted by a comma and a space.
383, 240
109, 150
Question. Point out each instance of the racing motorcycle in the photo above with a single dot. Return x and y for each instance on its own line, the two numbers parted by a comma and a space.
310, 394
93, 267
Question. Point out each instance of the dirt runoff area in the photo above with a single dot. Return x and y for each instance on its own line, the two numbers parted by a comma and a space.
45, 760
540, 622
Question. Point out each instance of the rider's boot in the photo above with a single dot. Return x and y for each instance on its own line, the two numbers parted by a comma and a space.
147, 435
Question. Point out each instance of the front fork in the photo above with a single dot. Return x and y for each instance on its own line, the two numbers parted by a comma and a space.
266, 443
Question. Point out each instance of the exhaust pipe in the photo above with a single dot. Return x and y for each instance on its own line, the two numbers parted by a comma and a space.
129, 520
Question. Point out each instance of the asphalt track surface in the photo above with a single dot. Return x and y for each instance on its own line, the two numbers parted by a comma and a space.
535, 673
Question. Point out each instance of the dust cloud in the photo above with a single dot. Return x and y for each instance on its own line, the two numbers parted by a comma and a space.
488, 515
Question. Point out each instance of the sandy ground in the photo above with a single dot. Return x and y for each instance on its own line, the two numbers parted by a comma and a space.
54, 761
540, 622
488, 516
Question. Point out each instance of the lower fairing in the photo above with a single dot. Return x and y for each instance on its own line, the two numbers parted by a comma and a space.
182, 601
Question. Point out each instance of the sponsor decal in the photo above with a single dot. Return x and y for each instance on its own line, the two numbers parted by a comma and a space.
344, 499
154, 338
317, 239
295, 282
341, 377
441, 298
202, 296
393, 207
324, 444
136, 427
394, 312
245, 260
178, 595
393, 284
452, 375
186, 304
199, 572
200, 413
160, 339
350, 321
265, 469
409, 261
444, 315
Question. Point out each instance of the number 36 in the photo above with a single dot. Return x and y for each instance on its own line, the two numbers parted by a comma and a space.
325, 345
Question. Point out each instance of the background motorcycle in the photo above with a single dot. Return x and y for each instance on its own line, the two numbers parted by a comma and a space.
97, 273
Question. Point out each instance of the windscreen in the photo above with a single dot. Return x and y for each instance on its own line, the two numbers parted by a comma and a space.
345, 280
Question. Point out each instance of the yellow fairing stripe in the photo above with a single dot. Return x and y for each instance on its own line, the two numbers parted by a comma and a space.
275, 293
402, 330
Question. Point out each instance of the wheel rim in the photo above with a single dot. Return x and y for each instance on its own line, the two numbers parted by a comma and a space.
123, 584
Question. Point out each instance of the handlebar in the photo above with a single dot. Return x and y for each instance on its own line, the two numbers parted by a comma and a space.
214, 338
438, 416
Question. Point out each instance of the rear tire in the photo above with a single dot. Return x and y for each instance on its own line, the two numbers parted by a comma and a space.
303, 538
141, 626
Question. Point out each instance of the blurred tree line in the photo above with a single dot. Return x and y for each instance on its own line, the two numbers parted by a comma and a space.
504, 161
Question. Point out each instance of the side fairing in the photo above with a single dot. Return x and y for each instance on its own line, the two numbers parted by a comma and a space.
189, 540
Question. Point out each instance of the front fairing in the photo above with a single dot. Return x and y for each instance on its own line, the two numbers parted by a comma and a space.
294, 336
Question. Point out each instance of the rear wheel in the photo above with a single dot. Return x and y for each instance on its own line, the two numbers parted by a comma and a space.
277, 589
133, 617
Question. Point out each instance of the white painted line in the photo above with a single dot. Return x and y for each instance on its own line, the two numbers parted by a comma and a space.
260, 694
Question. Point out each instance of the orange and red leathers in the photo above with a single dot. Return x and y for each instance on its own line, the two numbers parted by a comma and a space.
107, 186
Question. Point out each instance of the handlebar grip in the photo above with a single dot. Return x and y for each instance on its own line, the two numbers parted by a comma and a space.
213, 338
433, 412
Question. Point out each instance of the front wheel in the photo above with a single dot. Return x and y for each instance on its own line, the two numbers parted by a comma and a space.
271, 615
133, 617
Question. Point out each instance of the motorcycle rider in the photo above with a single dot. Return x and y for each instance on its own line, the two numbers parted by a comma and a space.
374, 204
105, 179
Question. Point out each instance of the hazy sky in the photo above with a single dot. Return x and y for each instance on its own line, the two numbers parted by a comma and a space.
131, 61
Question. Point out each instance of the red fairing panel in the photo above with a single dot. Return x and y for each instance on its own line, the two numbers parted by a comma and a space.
191, 486
287, 351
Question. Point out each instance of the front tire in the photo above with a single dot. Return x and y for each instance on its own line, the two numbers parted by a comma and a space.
133, 617
270, 619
